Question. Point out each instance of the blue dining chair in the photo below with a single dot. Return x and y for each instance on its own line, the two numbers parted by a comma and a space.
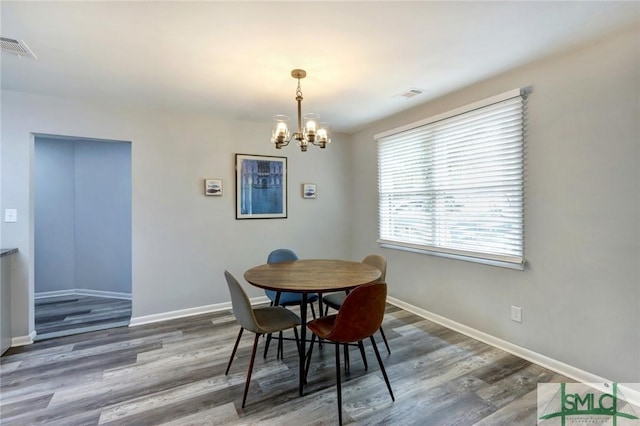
286, 298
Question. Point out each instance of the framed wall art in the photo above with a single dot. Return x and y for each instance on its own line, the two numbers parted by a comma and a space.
261, 187
213, 187
308, 190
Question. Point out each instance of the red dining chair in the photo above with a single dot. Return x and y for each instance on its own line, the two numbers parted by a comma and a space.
335, 300
359, 317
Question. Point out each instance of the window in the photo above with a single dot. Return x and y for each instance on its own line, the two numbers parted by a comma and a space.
452, 185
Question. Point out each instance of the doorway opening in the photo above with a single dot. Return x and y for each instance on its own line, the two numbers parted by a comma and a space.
82, 225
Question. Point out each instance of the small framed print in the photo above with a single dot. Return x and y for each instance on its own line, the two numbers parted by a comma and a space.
213, 187
308, 190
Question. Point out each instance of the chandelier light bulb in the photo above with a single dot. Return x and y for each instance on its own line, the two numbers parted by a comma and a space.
282, 129
280, 134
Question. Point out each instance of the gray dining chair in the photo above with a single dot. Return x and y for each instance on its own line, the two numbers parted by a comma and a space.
335, 300
264, 320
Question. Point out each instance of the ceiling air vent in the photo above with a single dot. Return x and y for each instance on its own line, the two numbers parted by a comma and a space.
410, 93
16, 47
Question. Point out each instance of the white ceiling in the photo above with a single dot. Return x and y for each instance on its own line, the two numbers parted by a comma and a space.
234, 58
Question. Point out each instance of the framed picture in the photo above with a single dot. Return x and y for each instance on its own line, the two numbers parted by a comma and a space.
261, 187
213, 187
308, 190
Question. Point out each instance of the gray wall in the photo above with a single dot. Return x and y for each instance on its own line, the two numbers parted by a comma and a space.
54, 215
182, 241
82, 215
580, 292
103, 216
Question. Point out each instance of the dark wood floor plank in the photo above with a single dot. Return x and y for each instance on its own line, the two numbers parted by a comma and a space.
522, 410
68, 363
220, 415
516, 385
506, 366
27, 404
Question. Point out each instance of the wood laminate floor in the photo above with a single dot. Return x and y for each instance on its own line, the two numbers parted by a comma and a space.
66, 315
172, 373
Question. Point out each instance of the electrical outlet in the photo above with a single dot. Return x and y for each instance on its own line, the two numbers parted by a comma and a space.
516, 313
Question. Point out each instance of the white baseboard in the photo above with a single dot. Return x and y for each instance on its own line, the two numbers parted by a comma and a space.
165, 316
631, 395
23, 340
82, 292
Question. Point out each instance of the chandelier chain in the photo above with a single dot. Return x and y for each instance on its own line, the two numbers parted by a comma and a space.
299, 90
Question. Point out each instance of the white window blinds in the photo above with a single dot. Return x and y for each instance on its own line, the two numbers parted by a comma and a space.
453, 184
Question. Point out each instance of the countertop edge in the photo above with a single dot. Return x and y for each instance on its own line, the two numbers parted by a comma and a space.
7, 252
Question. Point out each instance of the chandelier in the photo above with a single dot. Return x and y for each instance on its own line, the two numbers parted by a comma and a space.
314, 132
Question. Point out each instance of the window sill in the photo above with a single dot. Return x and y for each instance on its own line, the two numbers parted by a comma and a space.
466, 258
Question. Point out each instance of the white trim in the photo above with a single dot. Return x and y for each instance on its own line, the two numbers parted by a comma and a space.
148, 319
479, 104
631, 395
519, 266
82, 292
23, 340
57, 293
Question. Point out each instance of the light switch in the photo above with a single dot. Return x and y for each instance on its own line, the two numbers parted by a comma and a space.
10, 215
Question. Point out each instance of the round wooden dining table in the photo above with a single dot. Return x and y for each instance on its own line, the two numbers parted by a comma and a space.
310, 276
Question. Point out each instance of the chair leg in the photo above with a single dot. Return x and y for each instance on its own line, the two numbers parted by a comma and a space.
266, 345
338, 384
364, 357
384, 372
295, 333
347, 367
253, 356
385, 340
308, 357
275, 302
320, 313
279, 352
233, 352
313, 311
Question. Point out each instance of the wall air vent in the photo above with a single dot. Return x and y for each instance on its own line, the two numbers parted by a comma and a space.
16, 47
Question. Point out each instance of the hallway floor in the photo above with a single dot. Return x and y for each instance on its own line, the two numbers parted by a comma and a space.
74, 314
